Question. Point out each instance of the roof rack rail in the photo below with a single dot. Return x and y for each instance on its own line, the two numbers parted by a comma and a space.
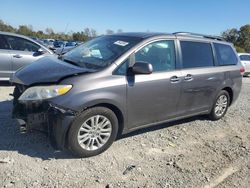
199, 35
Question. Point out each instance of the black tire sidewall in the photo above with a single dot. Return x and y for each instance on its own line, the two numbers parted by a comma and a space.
213, 116
73, 144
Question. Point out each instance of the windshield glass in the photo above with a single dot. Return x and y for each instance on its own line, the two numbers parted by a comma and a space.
100, 52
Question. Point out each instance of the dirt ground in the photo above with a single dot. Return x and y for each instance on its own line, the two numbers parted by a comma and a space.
194, 152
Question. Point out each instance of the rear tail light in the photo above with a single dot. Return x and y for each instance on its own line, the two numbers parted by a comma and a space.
242, 70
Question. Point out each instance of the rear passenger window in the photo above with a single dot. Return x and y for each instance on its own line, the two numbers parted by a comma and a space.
225, 54
196, 54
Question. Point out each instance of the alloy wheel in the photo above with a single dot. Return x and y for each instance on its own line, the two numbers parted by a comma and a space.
94, 132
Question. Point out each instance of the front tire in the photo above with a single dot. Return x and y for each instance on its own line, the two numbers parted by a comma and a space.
220, 106
92, 132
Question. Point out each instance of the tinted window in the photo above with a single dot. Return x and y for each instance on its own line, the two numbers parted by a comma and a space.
196, 54
21, 44
3, 43
245, 57
160, 54
225, 54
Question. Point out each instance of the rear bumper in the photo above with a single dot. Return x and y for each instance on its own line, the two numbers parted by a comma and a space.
47, 117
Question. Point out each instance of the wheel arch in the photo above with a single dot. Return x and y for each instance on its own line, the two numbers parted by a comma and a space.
118, 112
230, 92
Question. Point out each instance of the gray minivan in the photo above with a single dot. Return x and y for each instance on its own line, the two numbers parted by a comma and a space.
17, 51
118, 83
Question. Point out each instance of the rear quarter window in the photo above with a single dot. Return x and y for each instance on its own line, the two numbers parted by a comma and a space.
225, 54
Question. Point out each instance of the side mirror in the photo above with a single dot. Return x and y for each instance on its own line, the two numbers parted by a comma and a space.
51, 48
41, 51
141, 67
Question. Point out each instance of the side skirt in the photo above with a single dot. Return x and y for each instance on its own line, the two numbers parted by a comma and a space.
165, 121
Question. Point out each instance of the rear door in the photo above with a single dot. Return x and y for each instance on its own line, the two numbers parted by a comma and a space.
5, 60
23, 51
200, 78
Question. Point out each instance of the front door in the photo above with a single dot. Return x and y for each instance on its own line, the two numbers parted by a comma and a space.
5, 60
152, 98
23, 52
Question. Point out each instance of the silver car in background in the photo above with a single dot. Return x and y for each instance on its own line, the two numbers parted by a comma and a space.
17, 51
67, 47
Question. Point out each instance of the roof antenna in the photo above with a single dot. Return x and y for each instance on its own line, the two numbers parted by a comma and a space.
66, 28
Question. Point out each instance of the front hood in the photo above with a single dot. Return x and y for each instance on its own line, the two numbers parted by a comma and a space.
46, 70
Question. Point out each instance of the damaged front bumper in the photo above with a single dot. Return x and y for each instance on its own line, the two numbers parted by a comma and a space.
46, 117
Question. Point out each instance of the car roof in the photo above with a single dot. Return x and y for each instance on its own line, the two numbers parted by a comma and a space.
25, 37
142, 35
14, 34
186, 35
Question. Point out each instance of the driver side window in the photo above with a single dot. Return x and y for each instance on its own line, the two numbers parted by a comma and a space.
20, 44
160, 54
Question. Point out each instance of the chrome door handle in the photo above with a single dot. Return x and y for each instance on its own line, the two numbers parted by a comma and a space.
174, 79
17, 56
188, 77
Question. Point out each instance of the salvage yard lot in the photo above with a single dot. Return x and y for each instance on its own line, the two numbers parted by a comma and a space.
194, 152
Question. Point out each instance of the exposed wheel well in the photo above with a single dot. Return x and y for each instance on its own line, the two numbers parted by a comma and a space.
230, 92
117, 112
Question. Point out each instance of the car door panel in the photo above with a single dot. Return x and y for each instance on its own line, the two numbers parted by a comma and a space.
152, 98
23, 51
198, 92
22, 58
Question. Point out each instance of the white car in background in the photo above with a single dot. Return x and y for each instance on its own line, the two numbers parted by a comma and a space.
245, 60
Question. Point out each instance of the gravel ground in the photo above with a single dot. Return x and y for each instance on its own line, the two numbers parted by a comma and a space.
194, 152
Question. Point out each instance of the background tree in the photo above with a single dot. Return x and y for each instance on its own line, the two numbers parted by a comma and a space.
244, 38
79, 36
240, 38
6, 27
25, 30
231, 35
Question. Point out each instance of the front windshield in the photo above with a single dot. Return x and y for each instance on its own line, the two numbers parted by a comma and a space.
100, 52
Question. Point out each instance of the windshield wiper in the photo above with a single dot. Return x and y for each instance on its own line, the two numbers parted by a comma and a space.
71, 62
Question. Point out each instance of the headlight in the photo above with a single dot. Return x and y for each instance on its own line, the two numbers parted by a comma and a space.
44, 92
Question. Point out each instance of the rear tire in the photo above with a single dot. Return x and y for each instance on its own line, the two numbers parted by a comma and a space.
220, 106
92, 132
